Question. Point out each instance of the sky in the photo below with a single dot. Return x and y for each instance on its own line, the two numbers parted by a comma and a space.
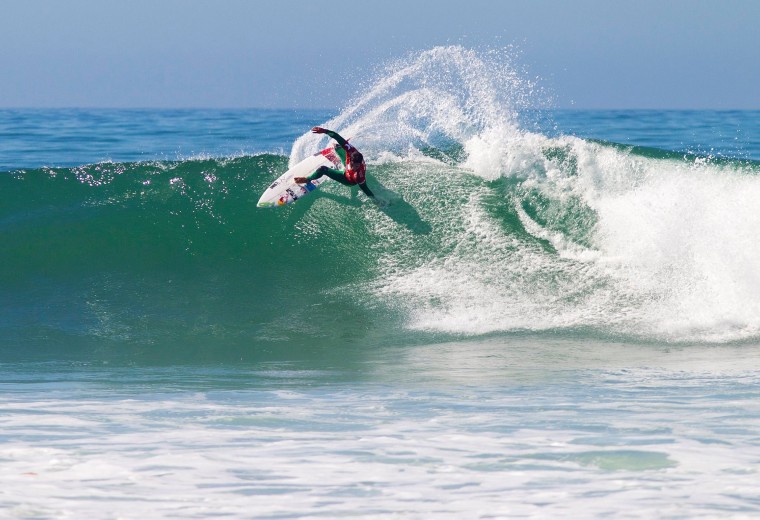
590, 54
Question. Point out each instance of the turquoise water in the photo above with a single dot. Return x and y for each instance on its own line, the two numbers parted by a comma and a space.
550, 314
73, 137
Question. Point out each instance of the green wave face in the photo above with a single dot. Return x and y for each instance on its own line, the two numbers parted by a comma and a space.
174, 262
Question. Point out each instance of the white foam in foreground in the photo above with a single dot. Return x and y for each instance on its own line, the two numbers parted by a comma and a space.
446, 431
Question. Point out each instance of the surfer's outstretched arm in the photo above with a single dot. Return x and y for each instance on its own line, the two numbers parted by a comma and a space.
334, 135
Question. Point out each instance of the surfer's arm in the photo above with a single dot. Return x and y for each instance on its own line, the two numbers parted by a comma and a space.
334, 135
366, 190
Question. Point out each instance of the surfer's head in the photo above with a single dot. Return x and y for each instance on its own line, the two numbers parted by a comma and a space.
357, 159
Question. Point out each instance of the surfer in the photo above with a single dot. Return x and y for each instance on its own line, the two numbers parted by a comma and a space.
353, 160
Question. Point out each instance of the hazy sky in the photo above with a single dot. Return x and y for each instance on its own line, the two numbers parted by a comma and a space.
312, 54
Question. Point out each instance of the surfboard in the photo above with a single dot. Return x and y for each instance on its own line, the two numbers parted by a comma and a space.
285, 191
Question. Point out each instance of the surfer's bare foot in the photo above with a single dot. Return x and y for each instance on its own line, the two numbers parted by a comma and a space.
300, 180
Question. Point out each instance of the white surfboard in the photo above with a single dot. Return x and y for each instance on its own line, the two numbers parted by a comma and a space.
284, 191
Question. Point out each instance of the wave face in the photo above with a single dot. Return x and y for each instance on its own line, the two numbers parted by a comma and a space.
483, 228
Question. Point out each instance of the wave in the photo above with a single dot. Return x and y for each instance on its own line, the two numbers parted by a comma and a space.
483, 228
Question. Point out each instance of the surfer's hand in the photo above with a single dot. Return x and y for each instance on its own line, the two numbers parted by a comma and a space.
318, 130
300, 180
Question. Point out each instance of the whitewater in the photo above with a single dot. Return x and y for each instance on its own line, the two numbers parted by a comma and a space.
547, 313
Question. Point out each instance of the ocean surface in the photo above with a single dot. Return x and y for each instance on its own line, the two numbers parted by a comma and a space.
546, 313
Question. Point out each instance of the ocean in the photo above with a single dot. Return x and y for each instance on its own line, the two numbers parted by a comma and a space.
546, 314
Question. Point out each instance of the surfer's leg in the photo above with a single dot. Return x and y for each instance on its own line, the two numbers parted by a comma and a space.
335, 175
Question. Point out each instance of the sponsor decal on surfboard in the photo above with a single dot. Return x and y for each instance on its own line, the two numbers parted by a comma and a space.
284, 190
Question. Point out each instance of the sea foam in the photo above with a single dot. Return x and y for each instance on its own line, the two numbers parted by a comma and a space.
611, 239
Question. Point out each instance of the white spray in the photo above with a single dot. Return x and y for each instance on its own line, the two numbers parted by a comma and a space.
668, 253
